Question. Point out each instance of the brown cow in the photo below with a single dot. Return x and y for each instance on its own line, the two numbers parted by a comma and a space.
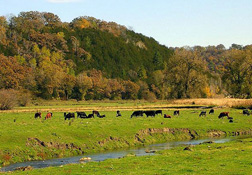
223, 114
167, 116
48, 115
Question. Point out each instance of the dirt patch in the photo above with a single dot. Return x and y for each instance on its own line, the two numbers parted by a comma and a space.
150, 131
247, 132
216, 133
31, 142
25, 168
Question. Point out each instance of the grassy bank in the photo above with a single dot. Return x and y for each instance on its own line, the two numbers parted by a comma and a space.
25, 138
233, 158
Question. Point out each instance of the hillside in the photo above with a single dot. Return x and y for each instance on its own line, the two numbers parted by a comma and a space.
93, 59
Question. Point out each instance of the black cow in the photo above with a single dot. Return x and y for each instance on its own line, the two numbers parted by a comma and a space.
90, 116
158, 112
96, 113
81, 115
150, 113
137, 113
69, 115
245, 112
202, 113
38, 114
101, 116
176, 112
211, 111
118, 114
223, 114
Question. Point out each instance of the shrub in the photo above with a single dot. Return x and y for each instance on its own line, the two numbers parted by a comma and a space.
149, 96
8, 99
24, 98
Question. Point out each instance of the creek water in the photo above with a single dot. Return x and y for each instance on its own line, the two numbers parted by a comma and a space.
139, 151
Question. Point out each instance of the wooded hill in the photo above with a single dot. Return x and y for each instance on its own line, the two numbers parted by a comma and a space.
93, 59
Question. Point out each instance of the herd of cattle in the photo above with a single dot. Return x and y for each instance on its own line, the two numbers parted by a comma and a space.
72, 115
140, 113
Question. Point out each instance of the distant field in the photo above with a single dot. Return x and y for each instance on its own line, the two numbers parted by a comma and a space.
224, 102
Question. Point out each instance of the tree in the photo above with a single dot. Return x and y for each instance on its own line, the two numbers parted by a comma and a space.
238, 71
83, 83
131, 90
186, 74
236, 46
12, 74
76, 44
114, 89
158, 61
50, 19
67, 84
3, 28
142, 74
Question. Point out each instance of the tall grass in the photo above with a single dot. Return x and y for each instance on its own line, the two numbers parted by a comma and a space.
222, 102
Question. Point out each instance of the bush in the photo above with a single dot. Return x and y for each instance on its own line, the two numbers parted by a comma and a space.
8, 99
24, 98
149, 96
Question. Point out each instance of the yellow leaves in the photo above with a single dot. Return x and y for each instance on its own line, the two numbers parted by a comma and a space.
208, 91
84, 82
60, 34
83, 23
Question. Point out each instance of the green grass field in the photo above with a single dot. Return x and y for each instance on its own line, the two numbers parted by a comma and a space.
232, 158
37, 139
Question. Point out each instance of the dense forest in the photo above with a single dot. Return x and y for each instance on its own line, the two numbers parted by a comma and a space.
93, 59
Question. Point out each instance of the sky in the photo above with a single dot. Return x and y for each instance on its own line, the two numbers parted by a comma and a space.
174, 23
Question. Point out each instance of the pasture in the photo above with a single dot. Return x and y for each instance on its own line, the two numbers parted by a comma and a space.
25, 138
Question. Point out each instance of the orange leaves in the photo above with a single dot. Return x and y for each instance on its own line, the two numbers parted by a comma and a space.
12, 74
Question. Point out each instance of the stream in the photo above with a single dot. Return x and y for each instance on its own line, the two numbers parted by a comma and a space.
113, 154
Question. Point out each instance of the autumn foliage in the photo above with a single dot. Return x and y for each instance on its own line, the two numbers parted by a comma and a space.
93, 59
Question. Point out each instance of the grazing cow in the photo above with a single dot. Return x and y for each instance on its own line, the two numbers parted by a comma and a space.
167, 116
118, 114
137, 113
245, 112
176, 112
90, 116
202, 113
158, 112
211, 111
69, 115
101, 116
48, 115
223, 114
38, 114
150, 113
81, 115
96, 113
231, 121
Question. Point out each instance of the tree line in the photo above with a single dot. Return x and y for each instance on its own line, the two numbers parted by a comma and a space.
93, 59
